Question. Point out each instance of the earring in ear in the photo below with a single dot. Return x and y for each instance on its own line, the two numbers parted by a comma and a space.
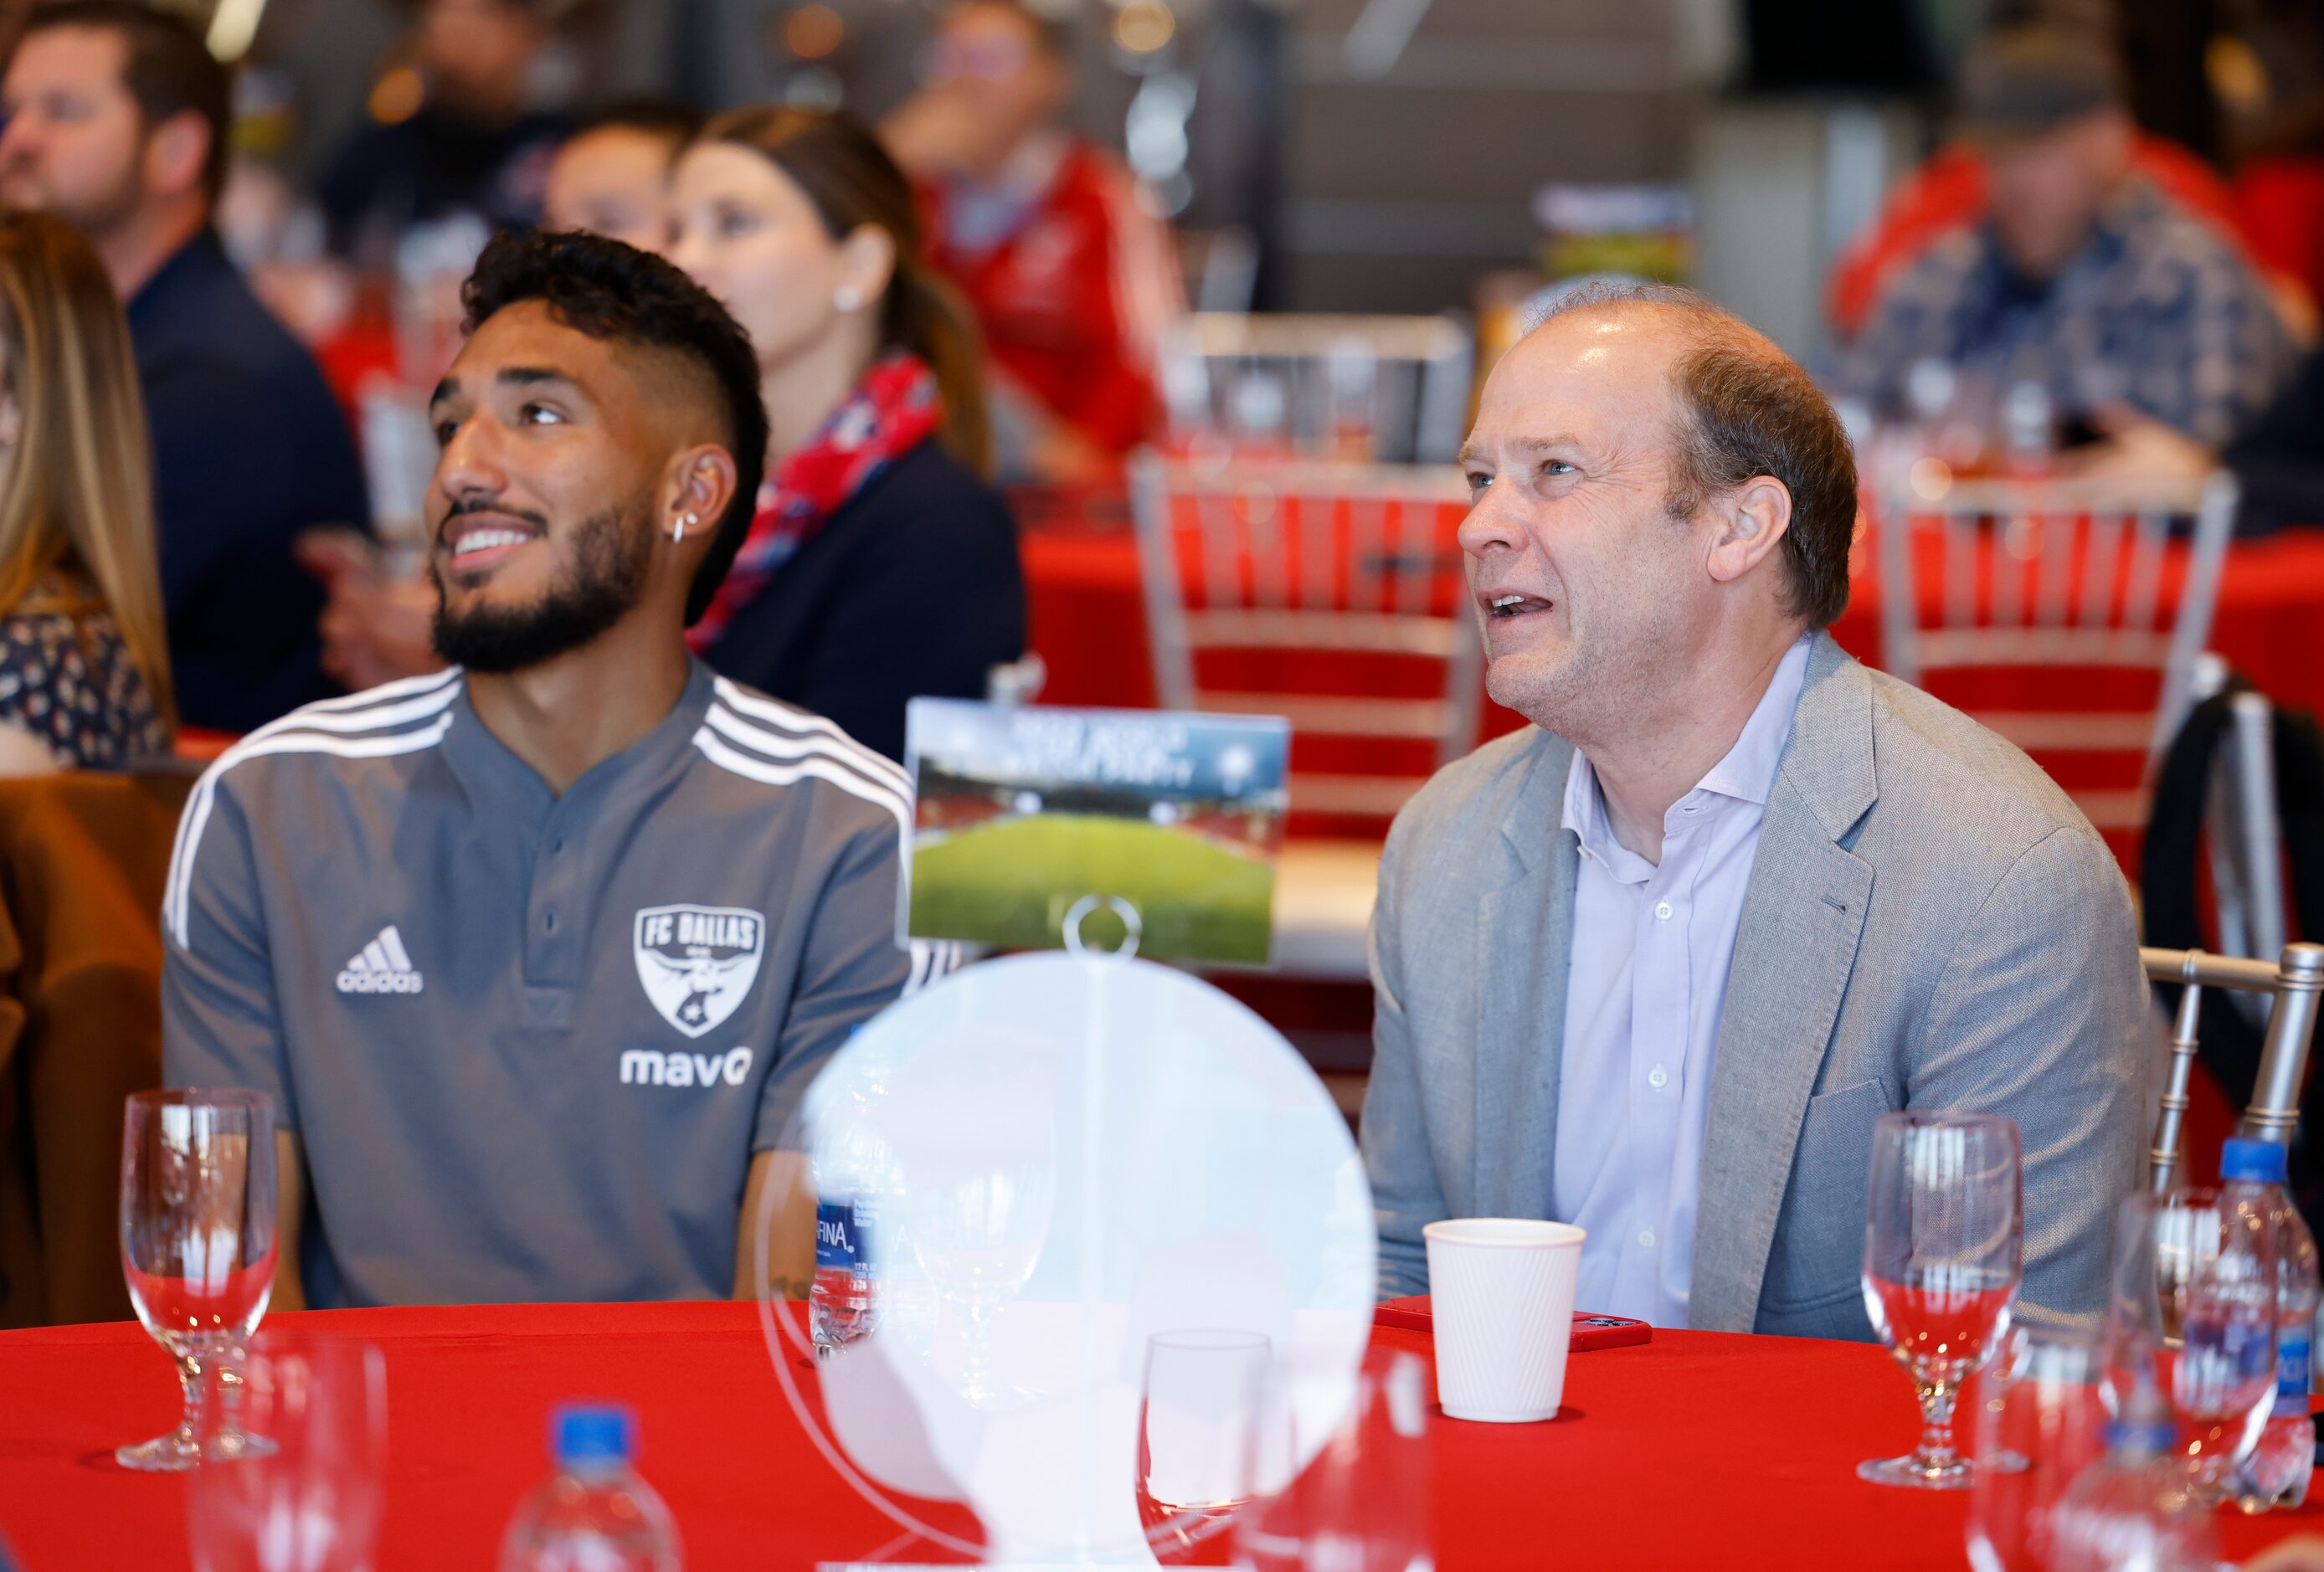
847, 298
686, 521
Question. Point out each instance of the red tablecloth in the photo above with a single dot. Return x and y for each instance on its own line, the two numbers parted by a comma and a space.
1089, 622
1698, 1450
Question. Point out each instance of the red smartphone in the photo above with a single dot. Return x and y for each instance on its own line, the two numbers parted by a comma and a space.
1590, 1331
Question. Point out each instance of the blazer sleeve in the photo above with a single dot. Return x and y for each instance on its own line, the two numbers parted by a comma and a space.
2042, 1009
1406, 1194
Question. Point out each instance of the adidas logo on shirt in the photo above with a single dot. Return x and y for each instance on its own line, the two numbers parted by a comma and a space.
382, 966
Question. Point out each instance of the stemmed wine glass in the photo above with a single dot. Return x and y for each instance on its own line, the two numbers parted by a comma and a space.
197, 1246
1943, 1246
2194, 1312
975, 1163
978, 1235
311, 1501
1201, 1405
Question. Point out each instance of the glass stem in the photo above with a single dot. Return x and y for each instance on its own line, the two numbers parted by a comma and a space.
976, 1358
193, 1379
1936, 1448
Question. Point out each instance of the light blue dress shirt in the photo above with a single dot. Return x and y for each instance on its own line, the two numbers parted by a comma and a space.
1647, 978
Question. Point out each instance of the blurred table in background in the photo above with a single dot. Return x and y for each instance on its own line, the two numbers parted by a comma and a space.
1697, 1449
1088, 617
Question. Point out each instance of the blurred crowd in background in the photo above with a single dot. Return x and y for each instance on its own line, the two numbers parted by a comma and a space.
2080, 235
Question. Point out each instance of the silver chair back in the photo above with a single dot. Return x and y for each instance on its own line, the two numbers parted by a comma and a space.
2246, 832
1271, 558
2295, 983
2243, 828
2057, 573
1389, 390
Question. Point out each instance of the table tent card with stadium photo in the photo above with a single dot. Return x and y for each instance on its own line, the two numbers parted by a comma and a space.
1173, 818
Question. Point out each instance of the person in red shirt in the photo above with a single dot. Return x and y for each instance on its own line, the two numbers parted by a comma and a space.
2280, 201
1071, 273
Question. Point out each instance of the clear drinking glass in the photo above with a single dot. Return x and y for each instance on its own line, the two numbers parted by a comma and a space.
2194, 1312
979, 1236
1200, 1412
2041, 1420
196, 1245
311, 1501
1943, 1240
1362, 1503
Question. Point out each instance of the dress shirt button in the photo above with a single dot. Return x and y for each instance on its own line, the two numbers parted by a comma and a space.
1663, 910
1646, 1238
1690, 807
1658, 1078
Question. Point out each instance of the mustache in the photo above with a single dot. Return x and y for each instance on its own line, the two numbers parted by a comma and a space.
465, 506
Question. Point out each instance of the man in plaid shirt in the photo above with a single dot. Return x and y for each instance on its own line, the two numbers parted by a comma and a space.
2084, 280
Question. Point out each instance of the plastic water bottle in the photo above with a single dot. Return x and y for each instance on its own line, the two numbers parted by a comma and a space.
856, 1173
2276, 1473
2130, 1511
595, 1515
845, 1302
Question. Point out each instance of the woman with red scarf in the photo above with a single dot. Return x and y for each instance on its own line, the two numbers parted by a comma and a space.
880, 566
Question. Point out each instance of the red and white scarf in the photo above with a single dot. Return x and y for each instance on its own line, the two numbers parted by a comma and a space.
890, 412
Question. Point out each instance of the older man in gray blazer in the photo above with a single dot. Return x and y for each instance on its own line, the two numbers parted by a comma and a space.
1655, 963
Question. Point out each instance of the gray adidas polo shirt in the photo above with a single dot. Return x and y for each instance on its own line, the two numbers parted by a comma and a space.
531, 1042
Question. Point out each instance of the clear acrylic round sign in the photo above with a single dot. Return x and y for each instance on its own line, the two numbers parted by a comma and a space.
1023, 1176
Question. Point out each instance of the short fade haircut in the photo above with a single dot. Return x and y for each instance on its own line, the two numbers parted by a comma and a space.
1745, 409
618, 293
165, 66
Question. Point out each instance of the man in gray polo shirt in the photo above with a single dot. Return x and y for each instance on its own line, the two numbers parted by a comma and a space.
537, 955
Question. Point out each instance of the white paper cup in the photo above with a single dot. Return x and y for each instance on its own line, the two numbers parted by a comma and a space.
1501, 1298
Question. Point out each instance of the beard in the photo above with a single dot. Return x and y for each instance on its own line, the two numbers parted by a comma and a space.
602, 581
97, 214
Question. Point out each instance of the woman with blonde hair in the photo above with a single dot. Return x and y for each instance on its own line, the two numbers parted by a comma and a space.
84, 657
880, 566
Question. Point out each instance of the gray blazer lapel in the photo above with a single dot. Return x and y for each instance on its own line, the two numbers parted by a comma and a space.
1524, 936
1793, 951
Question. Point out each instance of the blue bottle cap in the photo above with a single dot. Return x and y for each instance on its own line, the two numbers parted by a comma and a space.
2243, 1159
582, 1433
